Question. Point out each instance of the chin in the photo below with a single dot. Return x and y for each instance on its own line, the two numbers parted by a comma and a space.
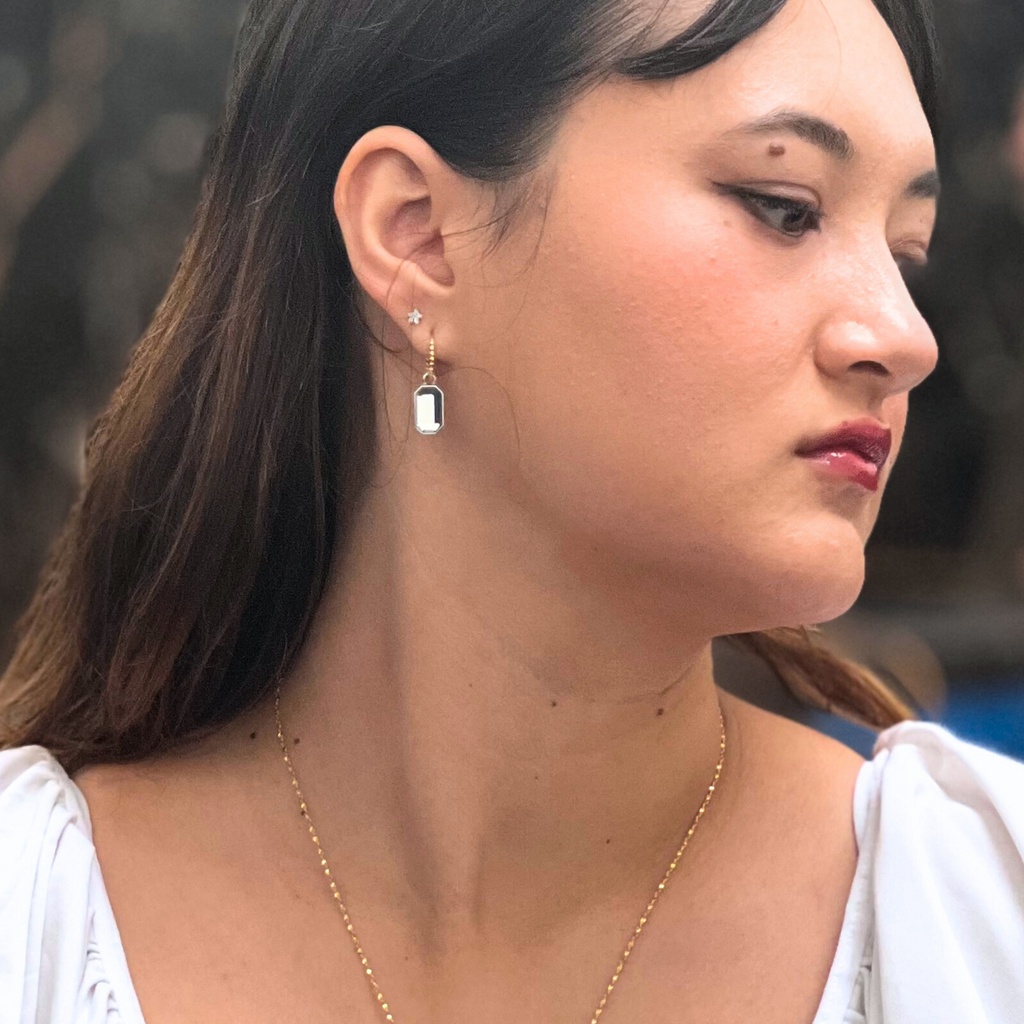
825, 599
812, 591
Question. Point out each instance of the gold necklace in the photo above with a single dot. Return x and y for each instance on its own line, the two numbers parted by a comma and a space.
378, 995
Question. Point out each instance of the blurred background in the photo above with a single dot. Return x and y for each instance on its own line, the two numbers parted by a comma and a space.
106, 108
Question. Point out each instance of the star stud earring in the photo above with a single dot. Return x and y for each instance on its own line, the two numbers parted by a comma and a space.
415, 316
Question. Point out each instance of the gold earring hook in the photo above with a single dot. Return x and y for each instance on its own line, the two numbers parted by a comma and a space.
429, 377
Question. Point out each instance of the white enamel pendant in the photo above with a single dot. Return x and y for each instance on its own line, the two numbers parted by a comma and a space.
428, 408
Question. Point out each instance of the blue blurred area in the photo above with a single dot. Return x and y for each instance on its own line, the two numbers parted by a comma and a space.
989, 712
857, 736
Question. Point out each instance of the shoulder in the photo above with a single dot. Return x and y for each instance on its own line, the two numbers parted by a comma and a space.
943, 821
956, 798
934, 747
782, 750
52, 967
796, 785
39, 806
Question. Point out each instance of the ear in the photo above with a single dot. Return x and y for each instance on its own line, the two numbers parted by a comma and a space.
396, 201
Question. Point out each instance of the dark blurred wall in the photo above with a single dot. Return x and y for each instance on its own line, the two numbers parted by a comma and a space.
105, 112
955, 504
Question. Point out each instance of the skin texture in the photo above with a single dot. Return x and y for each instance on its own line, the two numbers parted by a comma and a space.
507, 706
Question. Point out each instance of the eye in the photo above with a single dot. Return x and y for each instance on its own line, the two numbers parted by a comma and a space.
791, 217
911, 264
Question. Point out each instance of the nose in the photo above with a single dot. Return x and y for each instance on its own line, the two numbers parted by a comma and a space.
873, 331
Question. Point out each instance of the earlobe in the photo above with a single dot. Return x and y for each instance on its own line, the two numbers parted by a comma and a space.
391, 199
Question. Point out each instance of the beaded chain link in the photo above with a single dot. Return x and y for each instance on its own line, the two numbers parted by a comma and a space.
623, 960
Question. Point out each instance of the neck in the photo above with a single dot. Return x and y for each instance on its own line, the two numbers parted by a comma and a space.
494, 736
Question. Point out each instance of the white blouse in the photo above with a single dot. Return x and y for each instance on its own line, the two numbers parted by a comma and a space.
933, 931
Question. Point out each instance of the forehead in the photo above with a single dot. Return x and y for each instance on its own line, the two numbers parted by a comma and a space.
835, 58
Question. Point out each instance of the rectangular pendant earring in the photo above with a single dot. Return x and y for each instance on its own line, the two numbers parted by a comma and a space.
428, 400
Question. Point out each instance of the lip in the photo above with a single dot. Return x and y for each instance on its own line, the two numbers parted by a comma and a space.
856, 450
849, 466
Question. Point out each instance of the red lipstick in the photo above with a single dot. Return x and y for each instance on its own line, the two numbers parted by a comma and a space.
855, 450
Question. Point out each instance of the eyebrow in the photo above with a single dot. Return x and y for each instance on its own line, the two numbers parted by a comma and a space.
833, 140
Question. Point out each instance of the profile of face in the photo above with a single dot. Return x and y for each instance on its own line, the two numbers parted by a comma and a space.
636, 365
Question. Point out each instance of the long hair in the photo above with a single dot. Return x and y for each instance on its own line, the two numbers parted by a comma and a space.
222, 477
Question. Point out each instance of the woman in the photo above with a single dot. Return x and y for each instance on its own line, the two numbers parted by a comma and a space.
300, 679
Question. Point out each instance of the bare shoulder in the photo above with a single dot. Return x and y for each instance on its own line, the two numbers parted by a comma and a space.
106, 786
786, 852
184, 770
151, 804
794, 764
109, 784
788, 737
129, 807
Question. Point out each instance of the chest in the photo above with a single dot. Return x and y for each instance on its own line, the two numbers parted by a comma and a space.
226, 917
206, 943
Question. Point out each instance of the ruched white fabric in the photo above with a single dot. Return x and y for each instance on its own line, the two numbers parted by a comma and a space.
933, 931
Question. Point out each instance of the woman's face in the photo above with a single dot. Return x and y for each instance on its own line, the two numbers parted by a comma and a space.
671, 339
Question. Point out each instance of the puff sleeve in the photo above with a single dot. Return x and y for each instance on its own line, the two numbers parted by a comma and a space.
52, 966
947, 876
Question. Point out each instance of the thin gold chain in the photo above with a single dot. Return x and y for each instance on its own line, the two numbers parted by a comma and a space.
378, 995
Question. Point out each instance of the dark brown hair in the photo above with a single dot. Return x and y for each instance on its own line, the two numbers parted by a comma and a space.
222, 475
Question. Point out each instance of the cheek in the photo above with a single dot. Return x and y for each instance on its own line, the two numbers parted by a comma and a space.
708, 337
663, 373
663, 351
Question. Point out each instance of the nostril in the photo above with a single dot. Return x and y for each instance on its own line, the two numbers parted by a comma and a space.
873, 365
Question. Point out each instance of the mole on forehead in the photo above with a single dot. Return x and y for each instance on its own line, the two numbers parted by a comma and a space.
776, 149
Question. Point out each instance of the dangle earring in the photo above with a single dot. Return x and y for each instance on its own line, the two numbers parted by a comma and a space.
428, 398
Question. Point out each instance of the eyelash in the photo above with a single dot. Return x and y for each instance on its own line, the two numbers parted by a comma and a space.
757, 201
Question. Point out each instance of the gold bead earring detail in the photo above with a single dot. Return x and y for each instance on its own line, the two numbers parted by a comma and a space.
428, 398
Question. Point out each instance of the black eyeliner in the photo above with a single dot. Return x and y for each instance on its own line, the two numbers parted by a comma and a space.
755, 201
